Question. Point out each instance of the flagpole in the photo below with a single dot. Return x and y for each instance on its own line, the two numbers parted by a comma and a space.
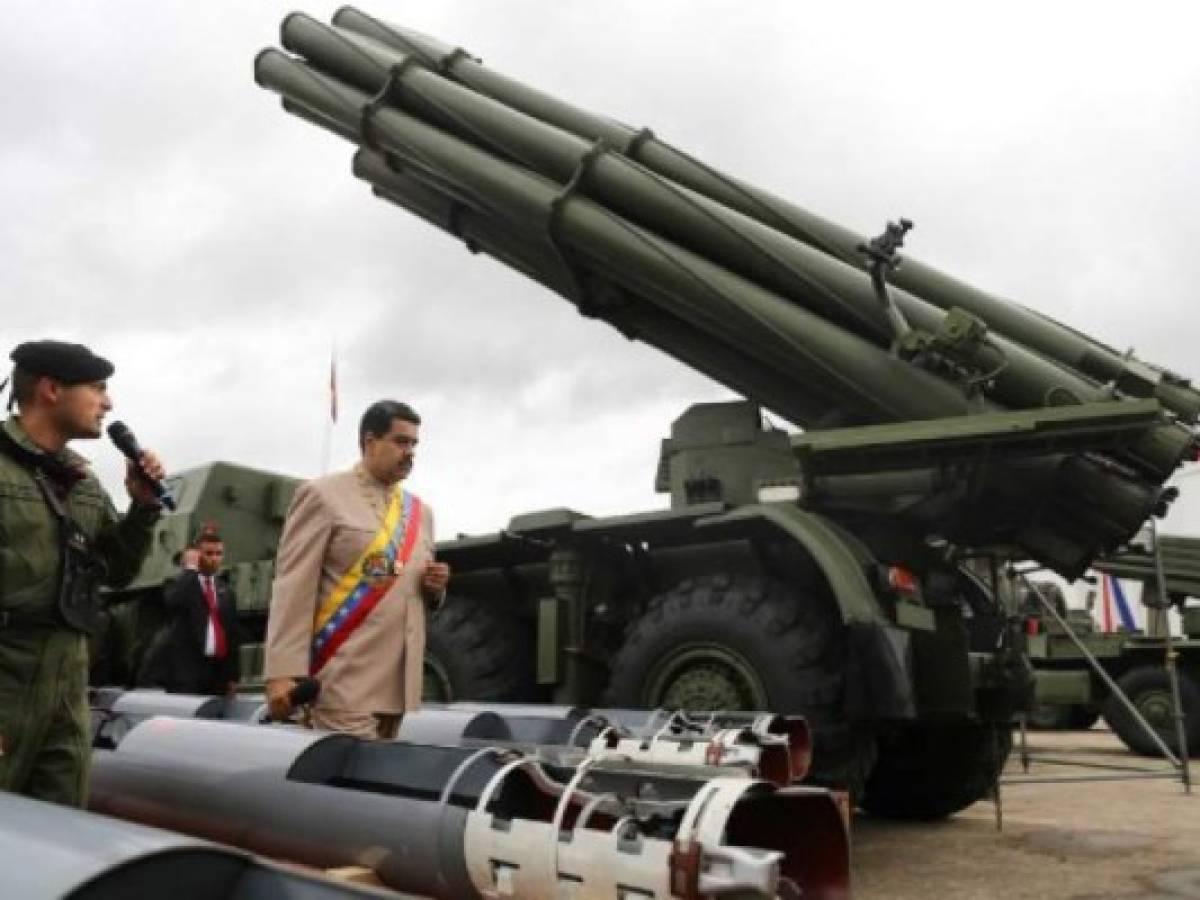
327, 450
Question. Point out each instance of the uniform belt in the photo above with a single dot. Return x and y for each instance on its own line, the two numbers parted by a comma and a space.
12, 619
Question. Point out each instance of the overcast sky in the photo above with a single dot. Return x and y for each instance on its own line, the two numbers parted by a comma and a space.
162, 208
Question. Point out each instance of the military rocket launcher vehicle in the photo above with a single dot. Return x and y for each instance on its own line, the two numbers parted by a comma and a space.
835, 572
1071, 691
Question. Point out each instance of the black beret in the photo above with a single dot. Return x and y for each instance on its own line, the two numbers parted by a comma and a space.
68, 363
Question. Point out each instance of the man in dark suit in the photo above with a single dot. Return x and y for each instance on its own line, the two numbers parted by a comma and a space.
197, 652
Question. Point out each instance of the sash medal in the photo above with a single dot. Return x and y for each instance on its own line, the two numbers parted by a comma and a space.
368, 580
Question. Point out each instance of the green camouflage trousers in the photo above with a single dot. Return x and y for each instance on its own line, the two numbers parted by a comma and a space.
44, 730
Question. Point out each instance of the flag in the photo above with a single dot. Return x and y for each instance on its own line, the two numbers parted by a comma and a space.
1115, 612
333, 397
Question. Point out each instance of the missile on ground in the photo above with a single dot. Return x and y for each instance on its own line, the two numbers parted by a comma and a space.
464, 822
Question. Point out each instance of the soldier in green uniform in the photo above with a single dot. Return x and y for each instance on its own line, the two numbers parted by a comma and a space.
60, 537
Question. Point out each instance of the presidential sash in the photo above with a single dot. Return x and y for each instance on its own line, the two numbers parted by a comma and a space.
368, 580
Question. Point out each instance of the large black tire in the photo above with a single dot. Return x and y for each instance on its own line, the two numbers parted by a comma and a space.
747, 642
930, 770
1149, 689
473, 651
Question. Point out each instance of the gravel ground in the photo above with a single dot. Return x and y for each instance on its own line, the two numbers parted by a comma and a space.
1118, 839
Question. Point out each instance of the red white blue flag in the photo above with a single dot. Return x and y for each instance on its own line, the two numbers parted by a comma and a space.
1115, 612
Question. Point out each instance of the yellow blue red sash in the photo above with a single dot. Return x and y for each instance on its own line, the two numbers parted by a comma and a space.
368, 580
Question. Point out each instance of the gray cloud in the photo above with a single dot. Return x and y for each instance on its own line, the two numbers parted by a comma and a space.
163, 208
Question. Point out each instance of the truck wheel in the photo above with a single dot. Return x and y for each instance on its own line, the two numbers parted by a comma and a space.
1047, 717
474, 651
1149, 689
930, 770
750, 643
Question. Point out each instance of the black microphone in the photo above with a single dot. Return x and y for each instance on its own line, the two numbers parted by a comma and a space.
304, 692
121, 436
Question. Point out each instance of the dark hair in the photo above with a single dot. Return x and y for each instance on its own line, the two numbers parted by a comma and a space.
207, 534
377, 420
24, 384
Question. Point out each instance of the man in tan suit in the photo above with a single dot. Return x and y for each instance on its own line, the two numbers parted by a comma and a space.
354, 570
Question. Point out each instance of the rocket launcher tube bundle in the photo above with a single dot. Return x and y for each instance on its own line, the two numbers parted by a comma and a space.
695, 289
826, 286
1019, 324
802, 398
773, 304
834, 290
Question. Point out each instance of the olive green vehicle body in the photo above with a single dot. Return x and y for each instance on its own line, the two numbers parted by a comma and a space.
248, 507
1069, 693
927, 651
